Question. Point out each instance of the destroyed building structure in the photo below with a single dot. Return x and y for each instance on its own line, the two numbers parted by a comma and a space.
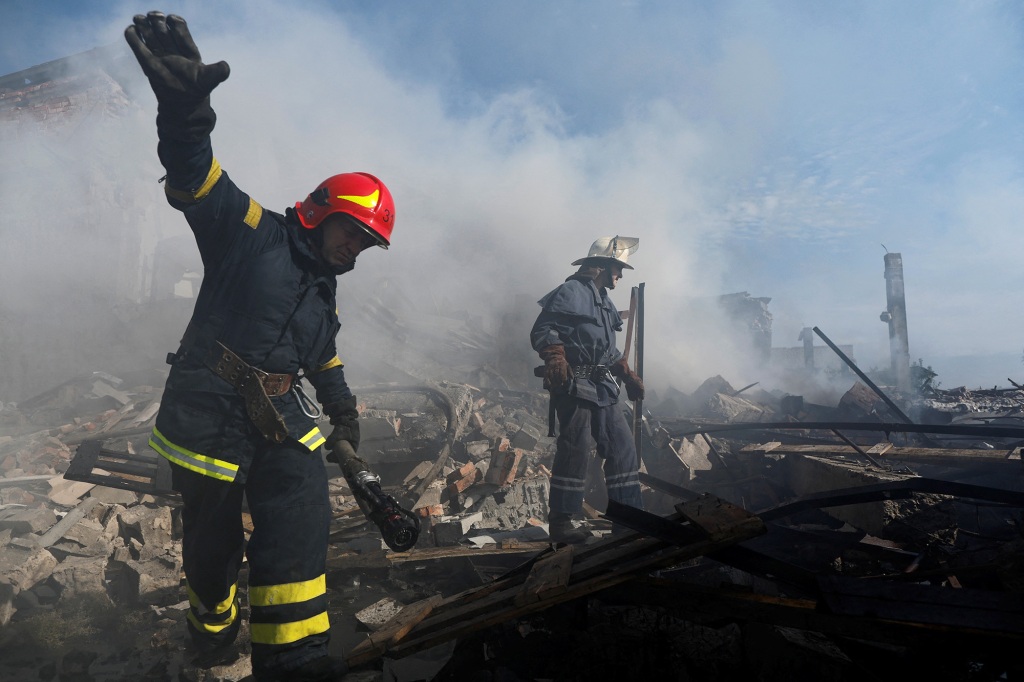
80, 273
869, 534
798, 538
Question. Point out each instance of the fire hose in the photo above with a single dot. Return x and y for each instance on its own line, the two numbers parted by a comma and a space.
399, 527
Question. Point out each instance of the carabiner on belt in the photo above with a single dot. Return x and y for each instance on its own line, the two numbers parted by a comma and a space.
309, 407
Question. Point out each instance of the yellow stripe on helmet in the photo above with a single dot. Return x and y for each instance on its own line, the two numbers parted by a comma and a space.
366, 201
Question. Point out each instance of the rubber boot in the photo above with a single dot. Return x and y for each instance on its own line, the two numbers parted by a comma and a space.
209, 652
562, 531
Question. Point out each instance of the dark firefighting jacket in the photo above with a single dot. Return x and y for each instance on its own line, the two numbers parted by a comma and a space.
266, 297
580, 316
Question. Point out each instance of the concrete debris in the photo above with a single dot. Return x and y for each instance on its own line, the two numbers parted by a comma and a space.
377, 614
474, 463
694, 455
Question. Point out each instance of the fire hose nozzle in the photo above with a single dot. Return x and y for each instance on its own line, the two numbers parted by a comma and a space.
399, 527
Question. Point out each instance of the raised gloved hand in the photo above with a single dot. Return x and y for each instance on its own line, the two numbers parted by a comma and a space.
630, 379
180, 80
170, 59
345, 418
556, 367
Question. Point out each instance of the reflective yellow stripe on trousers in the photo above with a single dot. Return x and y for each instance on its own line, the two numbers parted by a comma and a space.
211, 466
220, 616
193, 461
313, 439
284, 595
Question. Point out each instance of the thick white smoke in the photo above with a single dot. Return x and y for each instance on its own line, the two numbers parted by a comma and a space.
750, 147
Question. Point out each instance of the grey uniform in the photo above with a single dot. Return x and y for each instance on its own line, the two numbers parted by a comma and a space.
579, 316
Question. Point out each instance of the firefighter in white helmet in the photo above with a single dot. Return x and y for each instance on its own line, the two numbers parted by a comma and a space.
575, 336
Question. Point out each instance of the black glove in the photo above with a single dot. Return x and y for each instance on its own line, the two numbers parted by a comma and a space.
345, 419
181, 82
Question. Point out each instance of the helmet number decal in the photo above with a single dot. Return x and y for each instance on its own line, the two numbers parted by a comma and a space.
387, 215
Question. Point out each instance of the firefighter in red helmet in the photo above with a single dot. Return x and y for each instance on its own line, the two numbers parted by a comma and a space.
233, 419
358, 201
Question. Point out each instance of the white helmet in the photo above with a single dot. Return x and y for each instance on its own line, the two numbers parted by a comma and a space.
614, 248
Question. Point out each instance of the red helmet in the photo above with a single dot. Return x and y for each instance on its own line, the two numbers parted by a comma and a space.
360, 195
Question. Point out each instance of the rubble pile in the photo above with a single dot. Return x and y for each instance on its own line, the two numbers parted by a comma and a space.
850, 521
976, 403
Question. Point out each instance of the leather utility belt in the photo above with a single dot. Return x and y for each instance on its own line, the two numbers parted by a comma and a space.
256, 387
592, 372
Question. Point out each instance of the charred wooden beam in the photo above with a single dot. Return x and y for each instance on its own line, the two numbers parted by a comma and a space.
737, 556
893, 490
888, 451
728, 603
859, 450
664, 486
714, 524
976, 430
144, 472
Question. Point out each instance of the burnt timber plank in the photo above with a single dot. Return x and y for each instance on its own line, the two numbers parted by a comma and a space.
594, 568
964, 607
717, 518
715, 604
431, 553
162, 478
895, 452
761, 448
880, 448
348, 559
548, 575
144, 472
665, 487
892, 490
392, 631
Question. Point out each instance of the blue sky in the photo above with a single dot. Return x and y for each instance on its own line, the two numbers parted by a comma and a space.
768, 147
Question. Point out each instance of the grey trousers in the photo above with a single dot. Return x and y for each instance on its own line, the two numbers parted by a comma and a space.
582, 425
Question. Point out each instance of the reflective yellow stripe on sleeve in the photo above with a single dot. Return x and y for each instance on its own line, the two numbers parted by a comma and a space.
333, 362
253, 215
212, 176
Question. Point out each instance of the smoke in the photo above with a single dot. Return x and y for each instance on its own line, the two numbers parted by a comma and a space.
752, 148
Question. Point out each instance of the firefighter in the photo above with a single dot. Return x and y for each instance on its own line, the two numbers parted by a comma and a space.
575, 337
234, 421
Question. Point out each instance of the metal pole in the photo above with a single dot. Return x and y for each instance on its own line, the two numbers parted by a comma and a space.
892, 406
859, 449
638, 405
